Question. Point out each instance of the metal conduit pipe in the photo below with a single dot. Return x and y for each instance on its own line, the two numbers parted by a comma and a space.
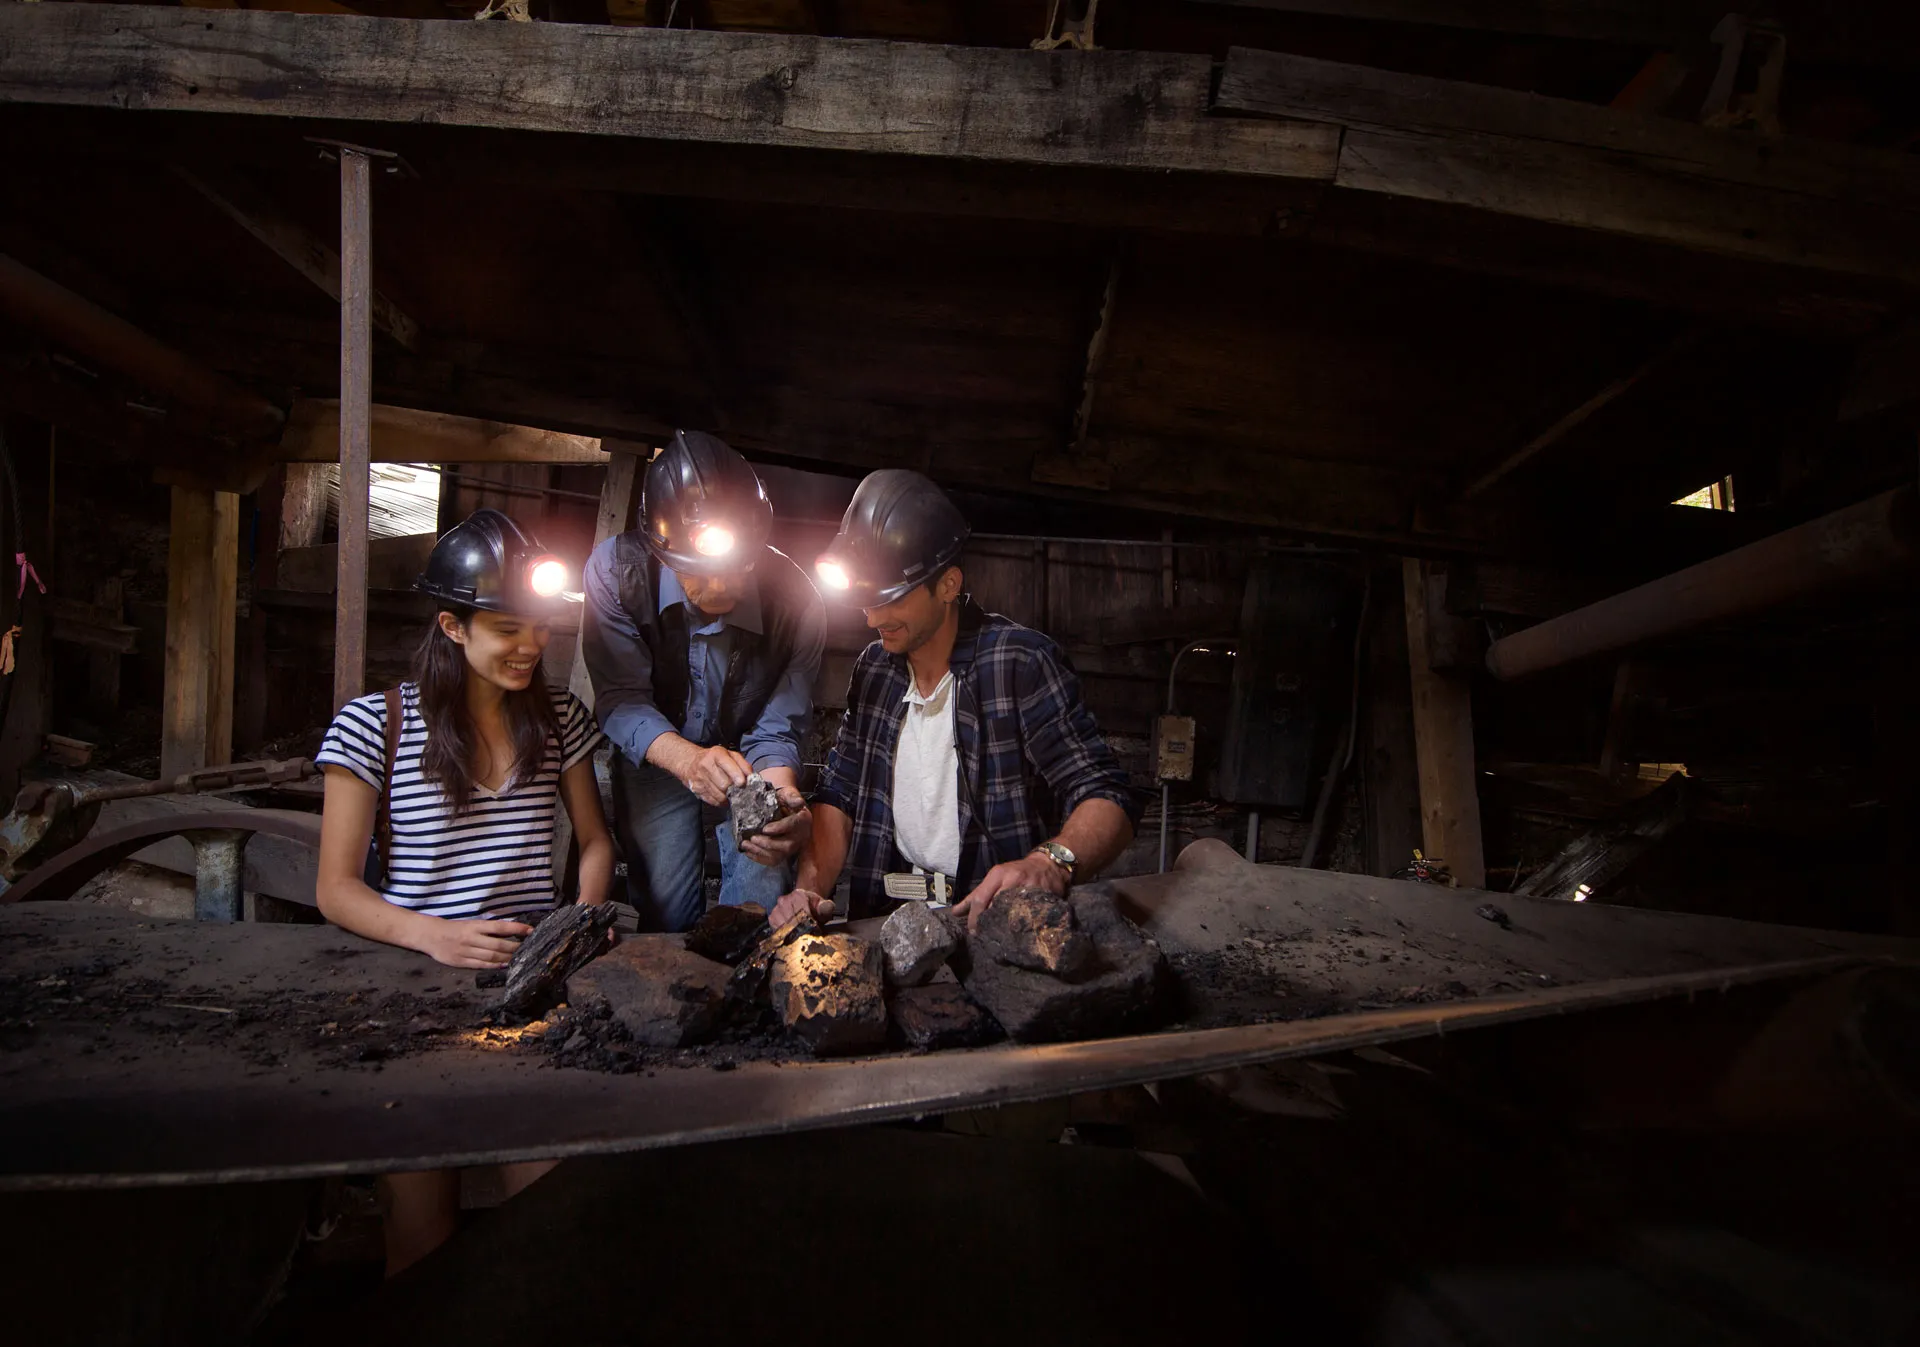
84, 327
1846, 547
1166, 790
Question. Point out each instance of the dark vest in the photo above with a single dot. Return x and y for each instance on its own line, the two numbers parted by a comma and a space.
758, 659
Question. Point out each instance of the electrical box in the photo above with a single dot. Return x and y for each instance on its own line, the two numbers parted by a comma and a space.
1173, 748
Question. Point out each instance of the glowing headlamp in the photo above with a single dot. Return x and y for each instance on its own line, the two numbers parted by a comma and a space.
547, 576
833, 575
712, 540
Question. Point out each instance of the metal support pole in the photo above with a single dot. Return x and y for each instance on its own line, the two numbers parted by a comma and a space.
219, 865
356, 411
1253, 835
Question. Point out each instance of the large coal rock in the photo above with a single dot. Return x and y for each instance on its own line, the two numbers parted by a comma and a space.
1034, 929
1120, 990
831, 991
564, 941
746, 988
917, 943
936, 1016
662, 995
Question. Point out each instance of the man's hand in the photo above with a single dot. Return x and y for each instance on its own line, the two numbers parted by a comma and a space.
473, 944
1031, 871
710, 772
800, 900
780, 841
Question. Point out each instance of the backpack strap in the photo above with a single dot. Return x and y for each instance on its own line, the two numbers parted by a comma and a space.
383, 821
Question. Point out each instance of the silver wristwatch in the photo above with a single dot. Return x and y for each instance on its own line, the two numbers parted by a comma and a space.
1059, 855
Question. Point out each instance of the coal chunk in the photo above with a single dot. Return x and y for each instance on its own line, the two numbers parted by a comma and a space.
831, 991
728, 934
562, 943
1121, 990
916, 943
1033, 929
752, 805
663, 995
937, 1016
746, 988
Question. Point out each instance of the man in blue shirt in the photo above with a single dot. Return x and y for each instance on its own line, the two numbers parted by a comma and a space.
703, 644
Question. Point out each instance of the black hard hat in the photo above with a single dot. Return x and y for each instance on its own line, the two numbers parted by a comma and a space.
702, 507
488, 561
900, 531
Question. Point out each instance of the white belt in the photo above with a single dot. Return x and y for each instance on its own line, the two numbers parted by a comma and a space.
920, 886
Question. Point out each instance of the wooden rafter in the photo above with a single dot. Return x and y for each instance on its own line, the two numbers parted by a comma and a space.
1774, 199
1813, 205
294, 244
404, 435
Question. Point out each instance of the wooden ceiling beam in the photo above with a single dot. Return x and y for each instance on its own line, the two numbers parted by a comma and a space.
308, 254
405, 435
1832, 208
1887, 34
1773, 199
1136, 110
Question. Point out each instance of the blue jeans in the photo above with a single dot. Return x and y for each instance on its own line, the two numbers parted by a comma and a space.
658, 823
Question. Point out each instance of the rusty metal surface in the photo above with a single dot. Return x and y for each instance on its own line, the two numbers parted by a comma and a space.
1849, 546
133, 1099
63, 876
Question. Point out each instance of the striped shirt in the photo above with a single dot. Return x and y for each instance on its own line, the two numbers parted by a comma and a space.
496, 860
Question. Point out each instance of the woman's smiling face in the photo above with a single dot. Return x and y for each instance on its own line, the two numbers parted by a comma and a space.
503, 648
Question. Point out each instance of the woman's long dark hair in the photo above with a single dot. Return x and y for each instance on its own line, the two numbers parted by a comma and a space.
440, 669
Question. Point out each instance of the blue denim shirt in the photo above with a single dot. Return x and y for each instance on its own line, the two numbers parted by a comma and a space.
625, 706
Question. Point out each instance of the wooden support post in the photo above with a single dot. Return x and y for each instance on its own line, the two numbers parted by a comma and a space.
196, 725
303, 505
616, 503
356, 436
1390, 781
1443, 746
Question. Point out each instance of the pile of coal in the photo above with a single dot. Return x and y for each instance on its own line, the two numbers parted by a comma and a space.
1039, 968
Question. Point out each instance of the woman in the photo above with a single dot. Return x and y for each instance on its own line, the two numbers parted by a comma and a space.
485, 752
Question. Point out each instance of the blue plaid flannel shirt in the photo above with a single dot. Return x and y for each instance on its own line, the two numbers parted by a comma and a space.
1028, 746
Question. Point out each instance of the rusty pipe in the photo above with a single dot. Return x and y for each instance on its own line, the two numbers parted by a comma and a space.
86, 328
1846, 547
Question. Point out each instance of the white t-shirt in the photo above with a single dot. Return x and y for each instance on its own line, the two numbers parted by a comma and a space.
496, 860
926, 781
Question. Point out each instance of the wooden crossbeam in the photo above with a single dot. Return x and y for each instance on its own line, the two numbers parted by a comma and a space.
1140, 110
300, 249
404, 435
1774, 199
1887, 34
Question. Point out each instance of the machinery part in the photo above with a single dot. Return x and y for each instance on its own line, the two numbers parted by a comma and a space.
219, 865
1846, 547
50, 816
64, 875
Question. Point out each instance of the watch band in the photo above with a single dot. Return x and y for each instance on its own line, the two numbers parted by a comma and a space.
1059, 855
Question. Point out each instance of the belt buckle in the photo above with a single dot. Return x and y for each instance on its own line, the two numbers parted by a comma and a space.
933, 889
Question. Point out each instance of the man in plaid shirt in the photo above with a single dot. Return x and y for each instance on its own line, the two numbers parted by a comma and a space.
968, 763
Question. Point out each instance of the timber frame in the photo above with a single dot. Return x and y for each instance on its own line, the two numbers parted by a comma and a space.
1262, 290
